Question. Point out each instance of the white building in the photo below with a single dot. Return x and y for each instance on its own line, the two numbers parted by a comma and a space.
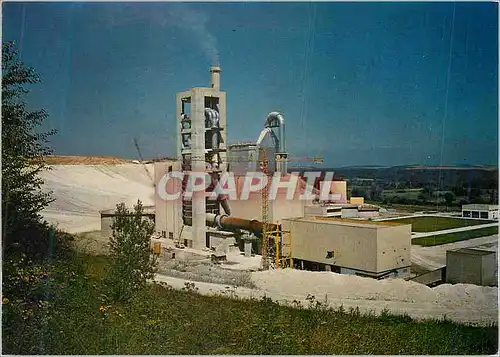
481, 211
339, 210
370, 249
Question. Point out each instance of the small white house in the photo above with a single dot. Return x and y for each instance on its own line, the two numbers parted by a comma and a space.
480, 211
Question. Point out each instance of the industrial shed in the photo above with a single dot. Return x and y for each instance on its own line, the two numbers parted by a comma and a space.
481, 211
471, 266
372, 249
107, 217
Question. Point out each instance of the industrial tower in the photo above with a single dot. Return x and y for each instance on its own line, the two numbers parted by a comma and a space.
201, 148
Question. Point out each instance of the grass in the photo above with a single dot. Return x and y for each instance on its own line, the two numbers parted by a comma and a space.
416, 207
432, 224
160, 320
454, 237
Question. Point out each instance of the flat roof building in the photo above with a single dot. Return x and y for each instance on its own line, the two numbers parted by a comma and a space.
481, 211
471, 266
349, 246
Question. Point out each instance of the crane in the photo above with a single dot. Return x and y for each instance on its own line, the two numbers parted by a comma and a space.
264, 162
271, 232
315, 160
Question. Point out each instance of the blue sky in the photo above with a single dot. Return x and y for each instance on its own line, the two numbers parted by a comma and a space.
358, 83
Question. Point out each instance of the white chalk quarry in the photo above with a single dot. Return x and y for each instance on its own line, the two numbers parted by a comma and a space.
81, 191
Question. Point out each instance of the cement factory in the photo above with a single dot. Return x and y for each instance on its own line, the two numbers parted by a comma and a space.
309, 234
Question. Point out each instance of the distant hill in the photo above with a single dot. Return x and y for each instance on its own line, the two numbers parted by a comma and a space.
457, 167
484, 177
373, 167
84, 160
97, 160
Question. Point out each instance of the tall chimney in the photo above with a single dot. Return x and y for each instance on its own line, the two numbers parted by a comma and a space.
215, 70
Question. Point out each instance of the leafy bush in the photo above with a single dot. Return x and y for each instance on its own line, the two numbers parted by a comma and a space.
132, 261
23, 152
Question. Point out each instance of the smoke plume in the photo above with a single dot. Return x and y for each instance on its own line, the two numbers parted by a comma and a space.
196, 22
180, 15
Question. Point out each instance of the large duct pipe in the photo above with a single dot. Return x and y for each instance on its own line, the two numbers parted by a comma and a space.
232, 223
274, 138
224, 202
274, 120
215, 82
262, 136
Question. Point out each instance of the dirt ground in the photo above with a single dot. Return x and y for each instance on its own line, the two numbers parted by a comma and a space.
84, 160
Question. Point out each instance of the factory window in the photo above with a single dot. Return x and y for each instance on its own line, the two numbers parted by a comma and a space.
466, 214
484, 215
475, 214
330, 254
332, 210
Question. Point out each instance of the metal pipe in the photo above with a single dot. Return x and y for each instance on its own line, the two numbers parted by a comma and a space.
233, 223
274, 120
274, 138
224, 202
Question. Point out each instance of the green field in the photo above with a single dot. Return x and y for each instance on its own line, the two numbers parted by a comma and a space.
415, 208
454, 237
165, 321
432, 224
406, 193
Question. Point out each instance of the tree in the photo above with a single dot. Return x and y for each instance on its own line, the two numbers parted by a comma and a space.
428, 191
449, 198
130, 247
23, 151
355, 192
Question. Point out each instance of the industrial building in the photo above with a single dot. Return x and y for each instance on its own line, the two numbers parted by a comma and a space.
201, 147
299, 233
481, 211
471, 266
373, 249
168, 218
347, 210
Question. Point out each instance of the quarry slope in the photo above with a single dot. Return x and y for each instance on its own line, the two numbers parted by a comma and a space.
81, 191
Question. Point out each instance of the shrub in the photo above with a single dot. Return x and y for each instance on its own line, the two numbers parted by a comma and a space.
24, 147
132, 261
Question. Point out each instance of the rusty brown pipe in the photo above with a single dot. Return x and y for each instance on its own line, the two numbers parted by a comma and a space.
233, 223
